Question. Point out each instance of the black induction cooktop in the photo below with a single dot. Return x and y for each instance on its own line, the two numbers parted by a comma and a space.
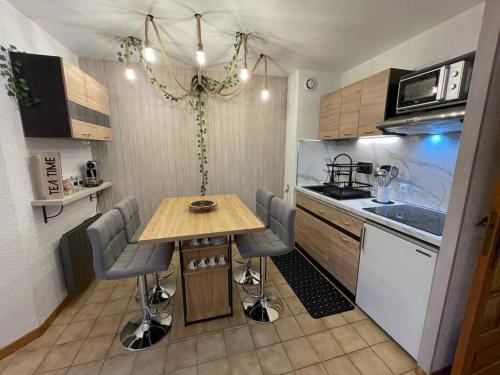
417, 217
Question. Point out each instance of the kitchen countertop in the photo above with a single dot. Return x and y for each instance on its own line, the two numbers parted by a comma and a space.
355, 207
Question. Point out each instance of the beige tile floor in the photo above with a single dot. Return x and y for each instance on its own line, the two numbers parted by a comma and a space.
83, 340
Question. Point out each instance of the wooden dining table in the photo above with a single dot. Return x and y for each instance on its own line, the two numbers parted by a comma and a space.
206, 291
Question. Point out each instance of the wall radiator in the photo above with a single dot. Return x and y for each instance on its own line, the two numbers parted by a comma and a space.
76, 255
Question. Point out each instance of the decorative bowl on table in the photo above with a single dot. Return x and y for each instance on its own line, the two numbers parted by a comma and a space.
202, 205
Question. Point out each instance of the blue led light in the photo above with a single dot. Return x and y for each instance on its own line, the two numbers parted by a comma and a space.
436, 138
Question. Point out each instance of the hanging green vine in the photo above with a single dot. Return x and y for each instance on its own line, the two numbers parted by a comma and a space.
16, 85
132, 46
198, 104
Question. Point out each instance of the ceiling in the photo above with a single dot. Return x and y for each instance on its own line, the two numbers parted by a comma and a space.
328, 35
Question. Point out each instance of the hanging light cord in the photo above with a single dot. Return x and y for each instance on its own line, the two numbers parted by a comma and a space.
165, 56
150, 18
199, 45
265, 71
242, 85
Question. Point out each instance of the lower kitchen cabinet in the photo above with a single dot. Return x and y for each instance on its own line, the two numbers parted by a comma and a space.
314, 236
335, 251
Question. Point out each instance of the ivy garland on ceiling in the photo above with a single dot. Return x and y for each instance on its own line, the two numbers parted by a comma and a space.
200, 85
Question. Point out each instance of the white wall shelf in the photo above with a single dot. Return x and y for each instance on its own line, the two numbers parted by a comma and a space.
67, 199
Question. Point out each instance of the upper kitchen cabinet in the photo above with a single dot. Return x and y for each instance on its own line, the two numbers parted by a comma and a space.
329, 115
349, 110
73, 104
356, 110
378, 100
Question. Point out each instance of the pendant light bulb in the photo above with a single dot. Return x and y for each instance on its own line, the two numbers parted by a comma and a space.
244, 74
149, 54
264, 94
200, 57
129, 72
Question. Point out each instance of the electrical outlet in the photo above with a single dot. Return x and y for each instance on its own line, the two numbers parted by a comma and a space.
404, 188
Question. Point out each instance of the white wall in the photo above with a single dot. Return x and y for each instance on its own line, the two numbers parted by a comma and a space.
452, 38
302, 116
31, 278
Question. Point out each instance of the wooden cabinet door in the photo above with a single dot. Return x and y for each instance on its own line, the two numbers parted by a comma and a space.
86, 131
314, 236
77, 87
344, 258
316, 207
373, 103
84, 90
347, 222
329, 115
333, 250
349, 110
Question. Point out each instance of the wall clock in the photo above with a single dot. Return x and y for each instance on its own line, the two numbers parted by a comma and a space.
311, 83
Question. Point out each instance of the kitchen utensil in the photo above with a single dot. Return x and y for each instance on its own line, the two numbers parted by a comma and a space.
394, 173
205, 241
380, 176
194, 242
387, 168
385, 174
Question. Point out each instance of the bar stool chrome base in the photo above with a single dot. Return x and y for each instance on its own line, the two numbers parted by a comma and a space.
139, 333
145, 331
264, 309
161, 292
246, 275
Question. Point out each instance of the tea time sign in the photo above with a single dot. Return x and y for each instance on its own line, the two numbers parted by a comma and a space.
52, 182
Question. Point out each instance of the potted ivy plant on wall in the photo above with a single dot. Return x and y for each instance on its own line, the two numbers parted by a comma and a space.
15, 84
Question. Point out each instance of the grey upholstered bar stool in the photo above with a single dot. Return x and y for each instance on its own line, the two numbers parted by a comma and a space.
245, 274
162, 290
279, 239
115, 259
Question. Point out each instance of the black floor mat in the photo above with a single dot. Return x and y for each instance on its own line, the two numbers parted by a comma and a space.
316, 293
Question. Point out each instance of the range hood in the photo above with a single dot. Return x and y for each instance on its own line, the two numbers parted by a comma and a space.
433, 122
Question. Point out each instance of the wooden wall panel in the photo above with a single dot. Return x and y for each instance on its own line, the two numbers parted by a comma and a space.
153, 153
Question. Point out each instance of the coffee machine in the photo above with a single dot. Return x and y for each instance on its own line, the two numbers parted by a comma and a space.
92, 178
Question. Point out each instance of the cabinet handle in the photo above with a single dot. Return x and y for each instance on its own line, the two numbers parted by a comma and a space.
346, 223
369, 131
322, 211
490, 227
362, 239
344, 239
88, 134
347, 133
327, 136
423, 253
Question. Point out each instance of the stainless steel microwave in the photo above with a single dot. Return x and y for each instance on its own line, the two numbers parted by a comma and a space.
440, 85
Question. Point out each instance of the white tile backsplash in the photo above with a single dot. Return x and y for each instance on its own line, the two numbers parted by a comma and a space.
426, 164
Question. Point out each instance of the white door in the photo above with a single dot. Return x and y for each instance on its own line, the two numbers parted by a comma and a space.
394, 283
